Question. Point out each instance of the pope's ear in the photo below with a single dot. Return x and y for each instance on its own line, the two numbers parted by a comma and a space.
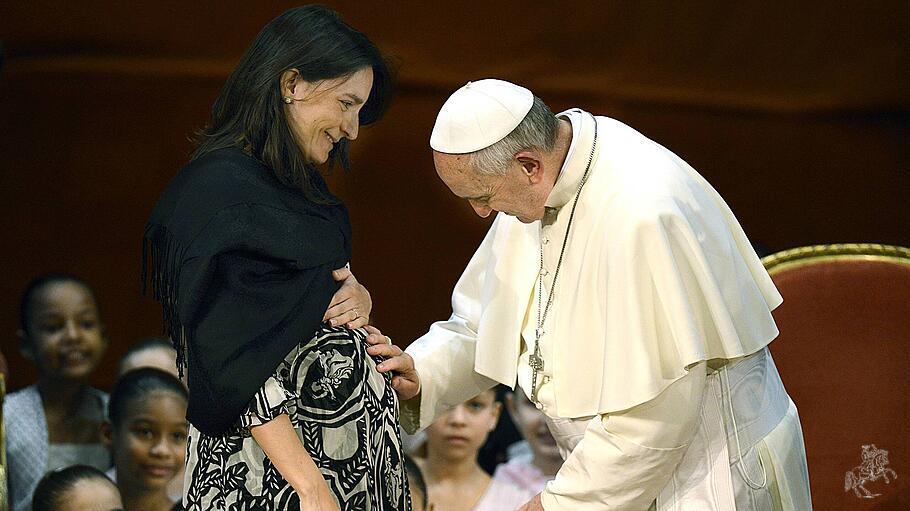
530, 165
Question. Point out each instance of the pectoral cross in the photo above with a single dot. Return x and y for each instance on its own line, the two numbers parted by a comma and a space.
536, 363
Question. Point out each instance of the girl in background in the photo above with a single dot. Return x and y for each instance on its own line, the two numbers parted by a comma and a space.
56, 422
76, 488
530, 473
455, 480
147, 436
159, 353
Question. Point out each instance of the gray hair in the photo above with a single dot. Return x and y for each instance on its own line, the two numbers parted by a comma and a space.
537, 130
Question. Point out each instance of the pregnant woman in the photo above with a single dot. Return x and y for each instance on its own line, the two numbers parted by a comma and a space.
247, 252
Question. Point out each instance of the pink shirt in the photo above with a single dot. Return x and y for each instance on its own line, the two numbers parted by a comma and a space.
514, 483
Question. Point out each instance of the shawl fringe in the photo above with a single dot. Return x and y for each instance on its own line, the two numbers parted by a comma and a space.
161, 258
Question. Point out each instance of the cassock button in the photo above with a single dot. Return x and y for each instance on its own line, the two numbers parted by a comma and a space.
545, 240
539, 406
544, 272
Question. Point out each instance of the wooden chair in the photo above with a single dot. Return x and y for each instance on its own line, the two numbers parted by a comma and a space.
844, 356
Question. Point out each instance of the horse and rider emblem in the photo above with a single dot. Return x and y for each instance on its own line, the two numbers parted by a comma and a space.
873, 468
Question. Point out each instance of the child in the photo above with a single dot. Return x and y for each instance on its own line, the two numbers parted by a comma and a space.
76, 488
159, 353
533, 473
455, 480
55, 422
146, 433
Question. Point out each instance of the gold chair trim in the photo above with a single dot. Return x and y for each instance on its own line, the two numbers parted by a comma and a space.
815, 254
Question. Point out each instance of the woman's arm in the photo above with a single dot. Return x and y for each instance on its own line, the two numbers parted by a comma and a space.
281, 444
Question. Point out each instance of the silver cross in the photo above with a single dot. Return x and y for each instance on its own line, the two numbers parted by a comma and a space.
536, 363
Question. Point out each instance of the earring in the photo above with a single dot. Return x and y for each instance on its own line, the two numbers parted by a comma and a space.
288, 100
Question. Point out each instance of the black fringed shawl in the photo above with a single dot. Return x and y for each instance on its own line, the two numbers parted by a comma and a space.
242, 267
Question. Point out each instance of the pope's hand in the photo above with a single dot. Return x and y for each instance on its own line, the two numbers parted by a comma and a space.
404, 377
532, 505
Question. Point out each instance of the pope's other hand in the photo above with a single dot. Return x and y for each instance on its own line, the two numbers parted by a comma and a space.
404, 377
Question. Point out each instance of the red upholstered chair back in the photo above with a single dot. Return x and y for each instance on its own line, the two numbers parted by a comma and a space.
844, 356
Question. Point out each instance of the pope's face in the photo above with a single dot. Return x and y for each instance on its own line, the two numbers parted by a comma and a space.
512, 193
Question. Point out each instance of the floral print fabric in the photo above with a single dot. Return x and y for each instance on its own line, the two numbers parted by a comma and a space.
345, 413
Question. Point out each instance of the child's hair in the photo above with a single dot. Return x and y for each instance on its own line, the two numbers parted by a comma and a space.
39, 283
495, 450
416, 476
137, 384
54, 485
144, 344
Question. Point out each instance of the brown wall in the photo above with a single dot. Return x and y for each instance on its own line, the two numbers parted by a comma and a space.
798, 117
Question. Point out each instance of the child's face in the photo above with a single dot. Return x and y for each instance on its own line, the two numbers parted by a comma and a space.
65, 337
460, 432
149, 447
91, 495
532, 424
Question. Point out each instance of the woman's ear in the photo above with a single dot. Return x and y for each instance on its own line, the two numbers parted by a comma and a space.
290, 81
107, 434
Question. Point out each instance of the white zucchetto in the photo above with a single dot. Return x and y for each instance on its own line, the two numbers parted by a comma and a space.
478, 115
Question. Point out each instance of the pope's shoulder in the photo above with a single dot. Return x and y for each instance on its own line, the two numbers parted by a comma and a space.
640, 179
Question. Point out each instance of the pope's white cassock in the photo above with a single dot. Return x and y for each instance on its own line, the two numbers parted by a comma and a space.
657, 383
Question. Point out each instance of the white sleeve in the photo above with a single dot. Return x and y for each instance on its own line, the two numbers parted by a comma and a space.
444, 356
626, 458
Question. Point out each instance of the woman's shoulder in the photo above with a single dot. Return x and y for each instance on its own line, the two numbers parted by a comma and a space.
212, 182
223, 167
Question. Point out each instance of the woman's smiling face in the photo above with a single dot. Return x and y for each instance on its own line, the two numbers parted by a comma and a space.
322, 113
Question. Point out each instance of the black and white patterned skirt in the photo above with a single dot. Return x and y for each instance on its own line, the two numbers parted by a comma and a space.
346, 414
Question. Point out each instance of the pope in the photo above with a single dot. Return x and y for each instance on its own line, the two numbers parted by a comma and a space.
616, 287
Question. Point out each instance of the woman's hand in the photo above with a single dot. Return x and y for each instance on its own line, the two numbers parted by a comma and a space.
351, 305
405, 380
319, 499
